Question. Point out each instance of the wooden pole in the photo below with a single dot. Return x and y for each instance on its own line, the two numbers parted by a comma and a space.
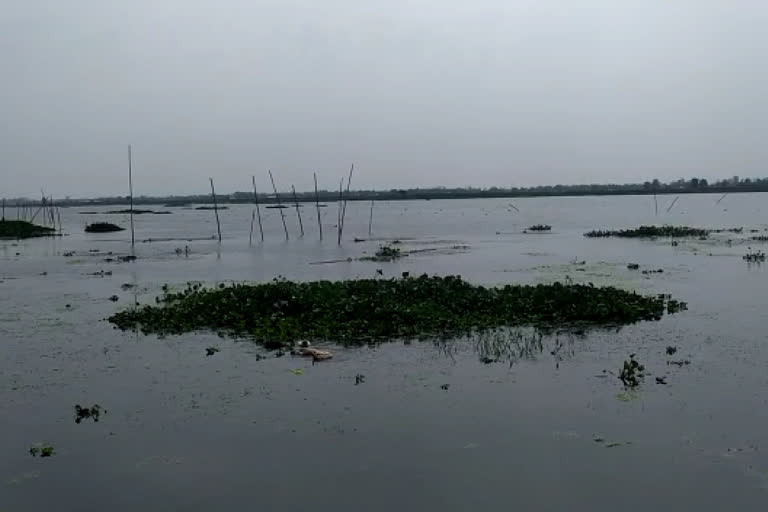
338, 222
370, 220
258, 209
130, 191
344, 210
277, 198
721, 198
3, 209
58, 215
298, 212
250, 235
673, 203
317, 205
216, 209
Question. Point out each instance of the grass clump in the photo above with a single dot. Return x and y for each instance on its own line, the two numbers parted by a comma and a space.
358, 311
23, 229
540, 228
386, 253
650, 232
102, 227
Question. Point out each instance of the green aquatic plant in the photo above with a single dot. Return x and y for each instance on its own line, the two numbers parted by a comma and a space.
385, 253
650, 232
23, 229
357, 311
85, 413
41, 450
102, 227
632, 372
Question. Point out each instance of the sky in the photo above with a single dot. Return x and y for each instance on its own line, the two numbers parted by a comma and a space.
413, 92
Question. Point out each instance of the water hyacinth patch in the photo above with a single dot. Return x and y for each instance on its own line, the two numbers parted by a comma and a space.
650, 232
358, 311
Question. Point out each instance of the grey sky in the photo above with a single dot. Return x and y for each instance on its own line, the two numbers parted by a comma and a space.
415, 92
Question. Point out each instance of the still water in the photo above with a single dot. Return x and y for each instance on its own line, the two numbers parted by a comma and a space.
546, 428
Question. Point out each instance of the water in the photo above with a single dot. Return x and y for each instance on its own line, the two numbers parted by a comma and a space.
232, 431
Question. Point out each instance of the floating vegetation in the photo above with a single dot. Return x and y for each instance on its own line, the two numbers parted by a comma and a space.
651, 271
679, 364
385, 253
359, 379
102, 227
136, 212
85, 413
651, 232
211, 351
23, 229
41, 450
728, 230
212, 208
671, 350
355, 311
754, 257
632, 373
760, 238
539, 228
633, 266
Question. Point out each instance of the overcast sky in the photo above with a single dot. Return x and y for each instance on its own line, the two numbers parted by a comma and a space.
414, 92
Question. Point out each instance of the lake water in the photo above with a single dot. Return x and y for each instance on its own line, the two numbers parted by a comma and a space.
547, 429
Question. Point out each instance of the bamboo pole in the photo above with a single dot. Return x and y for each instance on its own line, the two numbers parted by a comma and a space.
338, 220
370, 220
317, 206
298, 212
344, 210
721, 198
216, 209
277, 198
655, 202
673, 203
250, 234
258, 209
130, 191
3, 209
58, 215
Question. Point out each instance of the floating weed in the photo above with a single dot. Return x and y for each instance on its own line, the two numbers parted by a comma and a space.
360, 311
298, 371
385, 253
632, 372
41, 450
650, 232
102, 227
211, 351
84, 413
359, 379
754, 256
539, 228
22, 229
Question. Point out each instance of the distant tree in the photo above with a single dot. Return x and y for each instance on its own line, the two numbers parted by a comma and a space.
694, 183
703, 183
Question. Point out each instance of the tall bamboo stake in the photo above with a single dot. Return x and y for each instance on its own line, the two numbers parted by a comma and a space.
721, 198
130, 190
370, 220
216, 209
258, 209
58, 215
344, 210
317, 206
655, 201
250, 235
279, 205
673, 203
298, 212
3, 209
338, 221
